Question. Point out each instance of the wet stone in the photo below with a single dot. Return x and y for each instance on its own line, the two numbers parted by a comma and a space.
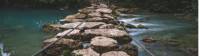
70, 43
84, 25
85, 52
104, 10
115, 53
103, 44
120, 35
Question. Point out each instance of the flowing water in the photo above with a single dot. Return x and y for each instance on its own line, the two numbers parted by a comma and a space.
163, 28
20, 29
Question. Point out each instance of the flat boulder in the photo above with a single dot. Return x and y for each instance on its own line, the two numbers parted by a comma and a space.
80, 15
84, 25
94, 14
115, 53
51, 27
86, 10
70, 43
85, 52
107, 26
108, 16
71, 25
75, 16
69, 33
119, 35
104, 10
98, 19
71, 20
103, 44
106, 32
70, 17
102, 6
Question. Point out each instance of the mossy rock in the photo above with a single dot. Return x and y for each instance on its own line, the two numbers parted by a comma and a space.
130, 26
141, 26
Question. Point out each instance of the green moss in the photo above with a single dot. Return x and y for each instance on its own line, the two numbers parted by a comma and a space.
140, 26
130, 26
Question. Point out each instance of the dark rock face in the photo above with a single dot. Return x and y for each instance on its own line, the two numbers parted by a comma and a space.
55, 50
129, 49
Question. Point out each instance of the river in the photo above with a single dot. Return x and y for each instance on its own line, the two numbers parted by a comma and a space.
163, 28
20, 31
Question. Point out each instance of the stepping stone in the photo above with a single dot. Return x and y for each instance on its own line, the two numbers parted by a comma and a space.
119, 35
115, 53
70, 43
85, 52
69, 32
94, 14
107, 32
104, 10
84, 25
103, 44
51, 28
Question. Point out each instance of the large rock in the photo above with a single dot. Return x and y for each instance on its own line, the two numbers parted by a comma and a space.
102, 6
85, 52
87, 10
108, 16
115, 53
107, 32
70, 17
51, 28
104, 10
80, 15
69, 33
71, 25
70, 43
84, 25
107, 26
57, 48
119, 35
94, 14
99, 19
76, 16
71, 20
103, 44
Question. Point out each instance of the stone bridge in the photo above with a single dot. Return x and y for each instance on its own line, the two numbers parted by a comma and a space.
94, 31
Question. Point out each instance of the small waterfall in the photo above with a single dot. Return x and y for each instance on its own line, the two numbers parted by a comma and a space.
3, 51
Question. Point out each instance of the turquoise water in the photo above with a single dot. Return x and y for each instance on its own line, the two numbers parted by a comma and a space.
20, 29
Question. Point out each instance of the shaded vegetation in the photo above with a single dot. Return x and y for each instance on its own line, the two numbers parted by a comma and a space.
159, 6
